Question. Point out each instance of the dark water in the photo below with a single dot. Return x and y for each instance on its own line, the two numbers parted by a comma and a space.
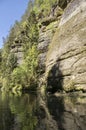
28, 112
17, 111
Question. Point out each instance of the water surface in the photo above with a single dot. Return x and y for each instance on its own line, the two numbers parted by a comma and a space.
29, 112
17, 111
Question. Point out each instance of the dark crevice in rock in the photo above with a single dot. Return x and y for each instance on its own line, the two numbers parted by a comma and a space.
60, 59
47, 21
66, 75
82, 72
72, 50
84, 44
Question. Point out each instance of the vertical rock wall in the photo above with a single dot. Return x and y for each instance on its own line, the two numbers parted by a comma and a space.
66, 58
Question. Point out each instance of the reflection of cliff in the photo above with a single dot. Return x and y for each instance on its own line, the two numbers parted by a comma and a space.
56, 109
69, 112
45, 120
63, 113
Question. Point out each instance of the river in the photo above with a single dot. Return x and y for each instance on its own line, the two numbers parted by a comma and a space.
24, 112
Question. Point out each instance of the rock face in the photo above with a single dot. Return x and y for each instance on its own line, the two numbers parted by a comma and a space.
47, 29
45, 37
17, 49
66, 58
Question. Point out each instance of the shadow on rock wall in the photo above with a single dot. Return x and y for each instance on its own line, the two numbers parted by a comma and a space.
55, 79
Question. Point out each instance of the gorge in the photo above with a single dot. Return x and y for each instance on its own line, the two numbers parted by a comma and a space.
46, 53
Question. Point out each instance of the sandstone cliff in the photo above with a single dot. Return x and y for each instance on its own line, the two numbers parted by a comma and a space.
66, 57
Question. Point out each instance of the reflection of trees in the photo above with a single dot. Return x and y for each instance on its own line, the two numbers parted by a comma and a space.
6, 118
23, 109
17, 112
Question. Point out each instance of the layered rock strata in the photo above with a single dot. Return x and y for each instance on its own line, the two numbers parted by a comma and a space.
66, 58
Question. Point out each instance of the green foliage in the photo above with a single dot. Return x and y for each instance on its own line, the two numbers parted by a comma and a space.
31, 59
30, 50
23, 34
18, 77
0, 66
43, 6
31, 65
28, 11
25, 76
0, 56
11, 62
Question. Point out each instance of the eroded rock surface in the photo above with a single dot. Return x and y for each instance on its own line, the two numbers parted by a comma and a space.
45, 37
17, 50
66, 58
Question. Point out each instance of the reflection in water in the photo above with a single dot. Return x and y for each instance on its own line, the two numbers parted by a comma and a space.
66, 112
6, 118
57, 110
17, 113
69, 112
26, 112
